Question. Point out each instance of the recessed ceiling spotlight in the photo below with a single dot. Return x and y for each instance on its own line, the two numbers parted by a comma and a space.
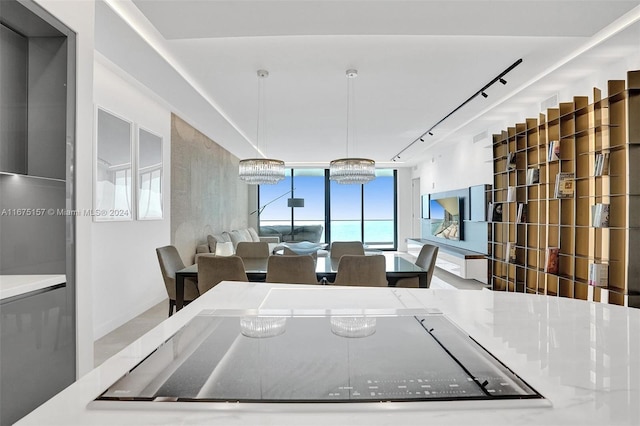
484, 95
421, 140
430, 133
503, 81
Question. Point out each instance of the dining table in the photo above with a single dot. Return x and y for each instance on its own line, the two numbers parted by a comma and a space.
397, 266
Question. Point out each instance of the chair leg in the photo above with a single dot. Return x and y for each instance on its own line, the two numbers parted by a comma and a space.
172, 303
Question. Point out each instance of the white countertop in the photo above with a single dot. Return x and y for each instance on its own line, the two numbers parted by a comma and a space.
583, 357
15, 285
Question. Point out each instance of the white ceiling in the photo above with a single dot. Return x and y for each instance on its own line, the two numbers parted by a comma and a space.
417, 61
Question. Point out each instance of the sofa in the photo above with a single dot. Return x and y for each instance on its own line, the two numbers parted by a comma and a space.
311, 233
226, 242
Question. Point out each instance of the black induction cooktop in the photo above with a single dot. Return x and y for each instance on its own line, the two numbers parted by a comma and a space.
231, 356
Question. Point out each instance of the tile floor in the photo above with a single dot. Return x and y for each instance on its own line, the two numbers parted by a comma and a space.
109, 345
121, 337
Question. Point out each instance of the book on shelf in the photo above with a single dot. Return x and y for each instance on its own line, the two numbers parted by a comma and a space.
564, 185
604, 167
533, 175
510, 253
554, 150
551, 264
494, 213
511, 161
599, 274
600, 215
511, 194
601, 166
522, 213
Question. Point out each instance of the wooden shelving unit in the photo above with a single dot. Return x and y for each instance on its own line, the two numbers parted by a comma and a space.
599, 146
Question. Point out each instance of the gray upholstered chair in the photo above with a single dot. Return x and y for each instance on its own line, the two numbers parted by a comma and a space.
361, 270
294, 269
214, 269
252, 249
170, 262
340, 248
427, 261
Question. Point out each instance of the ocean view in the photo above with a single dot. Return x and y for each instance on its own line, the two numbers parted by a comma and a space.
377, 232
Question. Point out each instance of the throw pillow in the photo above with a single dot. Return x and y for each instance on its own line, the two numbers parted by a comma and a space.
212, 242
254, 235
224, 249
236, 237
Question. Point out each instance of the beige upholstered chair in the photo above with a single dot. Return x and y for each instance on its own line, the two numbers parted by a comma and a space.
252, 249
170, 262
340, 248
294, 269
361, 270
427, 261
214, 269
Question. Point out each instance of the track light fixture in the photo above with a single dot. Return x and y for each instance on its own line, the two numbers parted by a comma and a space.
499, 77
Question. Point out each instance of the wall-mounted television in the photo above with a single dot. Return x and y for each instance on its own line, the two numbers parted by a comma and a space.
446, 218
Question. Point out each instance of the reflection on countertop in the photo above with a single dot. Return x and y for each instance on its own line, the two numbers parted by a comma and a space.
16, 285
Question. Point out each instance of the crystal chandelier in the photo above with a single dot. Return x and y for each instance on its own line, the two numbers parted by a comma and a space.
351, 170
260, 171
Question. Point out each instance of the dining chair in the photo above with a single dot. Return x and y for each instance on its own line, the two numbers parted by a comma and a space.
340, 248
293, 269
214, 269
252, 249
427, 261
170, 262
361, 270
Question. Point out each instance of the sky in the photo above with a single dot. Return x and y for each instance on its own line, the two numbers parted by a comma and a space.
345, 199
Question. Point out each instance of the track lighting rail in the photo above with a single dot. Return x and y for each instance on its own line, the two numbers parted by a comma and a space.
482, 91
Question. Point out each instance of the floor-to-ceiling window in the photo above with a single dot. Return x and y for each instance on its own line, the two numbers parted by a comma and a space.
379, 207
345, 203
272, 199
309, 186
344, 212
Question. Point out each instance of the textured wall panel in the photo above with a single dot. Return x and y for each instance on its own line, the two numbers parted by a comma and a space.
206, 195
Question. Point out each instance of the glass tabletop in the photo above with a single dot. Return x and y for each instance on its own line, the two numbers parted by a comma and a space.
395, 263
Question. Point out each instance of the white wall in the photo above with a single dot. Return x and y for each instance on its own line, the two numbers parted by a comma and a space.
126, 274
404, 207
79, 16
456, 165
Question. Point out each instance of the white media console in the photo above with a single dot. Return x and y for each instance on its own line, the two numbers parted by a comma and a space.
463, 263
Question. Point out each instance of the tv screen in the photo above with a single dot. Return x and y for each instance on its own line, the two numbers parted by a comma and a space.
446, 216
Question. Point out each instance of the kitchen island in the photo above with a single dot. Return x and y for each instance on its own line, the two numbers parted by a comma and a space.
582, 357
